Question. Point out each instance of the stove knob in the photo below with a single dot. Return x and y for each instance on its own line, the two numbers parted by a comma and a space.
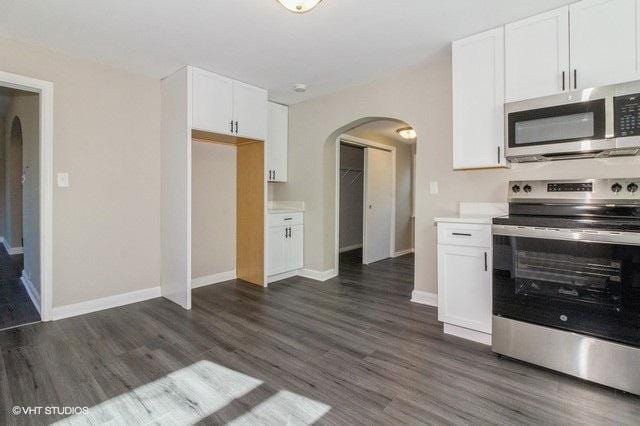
527, 188
632, 187
515, 188
616, 187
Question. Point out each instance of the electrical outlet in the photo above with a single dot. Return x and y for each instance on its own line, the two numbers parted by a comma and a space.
433, 187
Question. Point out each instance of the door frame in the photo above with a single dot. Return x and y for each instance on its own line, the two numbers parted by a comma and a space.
365, 143
45, 90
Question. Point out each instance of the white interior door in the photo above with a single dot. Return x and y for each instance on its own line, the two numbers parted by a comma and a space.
378, 205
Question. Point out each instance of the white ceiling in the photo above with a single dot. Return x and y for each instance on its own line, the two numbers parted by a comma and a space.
340, 43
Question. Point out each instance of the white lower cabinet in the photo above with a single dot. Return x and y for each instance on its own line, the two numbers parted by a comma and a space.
464, 280
285, 244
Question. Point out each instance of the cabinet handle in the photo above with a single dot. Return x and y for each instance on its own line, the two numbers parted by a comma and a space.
289, 232
499, 155
231, 126
236, 127
486, 268
563, 83
460, 234
286, 232
274, 175
269, 174
288, 218
575, 78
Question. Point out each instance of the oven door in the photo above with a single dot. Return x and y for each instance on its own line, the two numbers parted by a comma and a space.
558, 129
586, 282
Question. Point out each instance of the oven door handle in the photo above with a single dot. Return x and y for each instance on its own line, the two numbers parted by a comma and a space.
591, 236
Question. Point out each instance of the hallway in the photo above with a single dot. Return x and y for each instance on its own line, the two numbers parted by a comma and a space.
16, 307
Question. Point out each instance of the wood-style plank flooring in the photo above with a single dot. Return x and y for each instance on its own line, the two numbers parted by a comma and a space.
16, 307
352, 350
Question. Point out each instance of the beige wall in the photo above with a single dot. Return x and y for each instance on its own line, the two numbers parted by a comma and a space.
213, 223
404, 210
22, 200
421, 97
106, 225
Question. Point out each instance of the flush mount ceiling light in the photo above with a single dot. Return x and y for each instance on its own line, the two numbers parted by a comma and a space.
299, 6
407, 133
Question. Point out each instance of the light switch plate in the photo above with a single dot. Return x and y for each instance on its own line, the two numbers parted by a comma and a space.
63, 180
433, 187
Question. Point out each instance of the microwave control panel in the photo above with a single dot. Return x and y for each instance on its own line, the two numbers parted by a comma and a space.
626, 115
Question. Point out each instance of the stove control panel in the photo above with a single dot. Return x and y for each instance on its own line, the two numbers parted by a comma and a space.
576, 189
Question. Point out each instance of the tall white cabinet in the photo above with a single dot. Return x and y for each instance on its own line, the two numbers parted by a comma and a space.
277, 142
286, 245
478, 101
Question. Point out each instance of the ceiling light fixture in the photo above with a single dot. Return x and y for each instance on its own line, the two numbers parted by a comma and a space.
299, 6
407, 133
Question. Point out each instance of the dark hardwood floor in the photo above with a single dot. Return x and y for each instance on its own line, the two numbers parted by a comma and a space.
352, 350
16, 307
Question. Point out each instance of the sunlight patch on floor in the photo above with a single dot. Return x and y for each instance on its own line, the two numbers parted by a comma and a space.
193, 393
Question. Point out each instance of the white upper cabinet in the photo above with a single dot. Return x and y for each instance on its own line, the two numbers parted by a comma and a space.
537, 56
478, 101
225, 106
249, 111
277, 142
604, 42
212, 102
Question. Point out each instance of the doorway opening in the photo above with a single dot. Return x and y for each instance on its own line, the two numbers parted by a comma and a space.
19, 208
374, 192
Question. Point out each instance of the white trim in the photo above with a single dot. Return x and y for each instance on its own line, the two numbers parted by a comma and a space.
349, 248
424, 298
466, 333
34, 295
318, 275
11, 250
403, 252
282, 276
95, 305
45, 89
364, 143
213, 279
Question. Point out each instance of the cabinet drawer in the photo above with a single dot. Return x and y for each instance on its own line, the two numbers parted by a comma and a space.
463, 234
285, 219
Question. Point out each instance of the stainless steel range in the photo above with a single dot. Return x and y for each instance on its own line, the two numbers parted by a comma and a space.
566, 278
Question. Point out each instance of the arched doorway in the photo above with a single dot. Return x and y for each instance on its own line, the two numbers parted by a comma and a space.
14, 167
373, 134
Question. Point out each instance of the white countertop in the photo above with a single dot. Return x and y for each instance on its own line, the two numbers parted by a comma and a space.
477, 213
284, 207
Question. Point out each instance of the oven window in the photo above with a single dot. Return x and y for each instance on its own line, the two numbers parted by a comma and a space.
555, 128
557, 124
590, 288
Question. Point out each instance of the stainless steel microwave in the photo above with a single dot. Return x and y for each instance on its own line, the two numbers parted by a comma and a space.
597, 122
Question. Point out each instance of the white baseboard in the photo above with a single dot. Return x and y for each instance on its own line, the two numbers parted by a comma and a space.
95, 305
11, 250
349, 248
282, 276
466, 333
424, 298
318, 275
402, 252
213, 279
34, 294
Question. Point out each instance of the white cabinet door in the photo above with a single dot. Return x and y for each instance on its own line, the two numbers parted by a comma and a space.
277, 142
277, 260
537, 55
295, 248
249, 111
604, 42
464, 287
478, 101
212, 102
